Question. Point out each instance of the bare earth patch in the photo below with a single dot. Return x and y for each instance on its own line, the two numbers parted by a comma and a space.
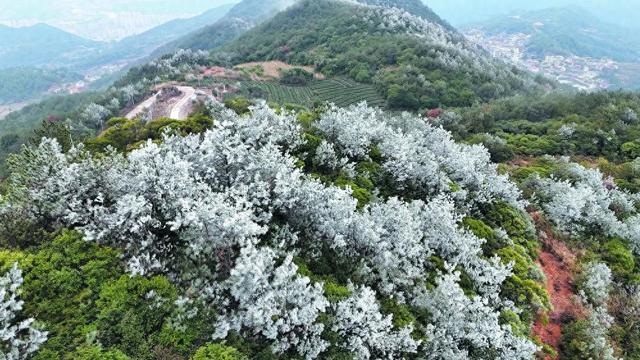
272, 69
557, 262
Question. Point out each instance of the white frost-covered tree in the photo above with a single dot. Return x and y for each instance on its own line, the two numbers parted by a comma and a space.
225, 211
19, 339
366, 332
273, 301
459, 322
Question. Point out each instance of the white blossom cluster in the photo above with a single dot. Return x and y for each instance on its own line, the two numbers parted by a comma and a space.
418, 154
595, 288
449, 48
226, 211
180, 62
582, 199
365, 330
457, 319
18, 338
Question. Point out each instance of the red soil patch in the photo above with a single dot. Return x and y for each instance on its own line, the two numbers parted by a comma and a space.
557, 262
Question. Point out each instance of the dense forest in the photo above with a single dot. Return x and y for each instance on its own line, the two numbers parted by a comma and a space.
455, 223
20, 84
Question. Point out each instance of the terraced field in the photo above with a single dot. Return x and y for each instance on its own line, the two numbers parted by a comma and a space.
345, 92
340, 91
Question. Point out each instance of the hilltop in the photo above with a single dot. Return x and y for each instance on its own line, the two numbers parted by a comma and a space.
413, 61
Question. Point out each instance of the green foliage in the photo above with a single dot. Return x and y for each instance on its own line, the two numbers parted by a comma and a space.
512, 319
123, 134
62, 283
402, 315
517, 225
575, 343
131, 312
401, 97
217, 352
95, 353
295, 76
238, 104
335, 292
585, 124
618, 256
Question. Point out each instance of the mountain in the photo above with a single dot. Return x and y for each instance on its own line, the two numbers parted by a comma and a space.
413, 61
464, 12
42, 45
139, 46
415, 7
569, 43
240, 18
567, 31
102, 20
20, 84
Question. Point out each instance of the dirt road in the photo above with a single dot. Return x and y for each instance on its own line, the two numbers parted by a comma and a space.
180, 110
142, 107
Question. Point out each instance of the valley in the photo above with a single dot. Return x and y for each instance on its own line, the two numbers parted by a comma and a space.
8, 109
566, 44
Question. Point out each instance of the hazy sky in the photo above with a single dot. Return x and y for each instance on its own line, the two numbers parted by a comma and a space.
459, 12
101, 19
114, 19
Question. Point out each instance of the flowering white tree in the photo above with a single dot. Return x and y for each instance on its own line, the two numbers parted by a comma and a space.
366, 332
224, 212
595, 288
273, 301
458, 321
582, 199
18, 337
95, 115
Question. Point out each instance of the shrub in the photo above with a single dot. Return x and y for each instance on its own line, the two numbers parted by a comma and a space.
96, 353
295, 76
132, 311
218, 352
619, 257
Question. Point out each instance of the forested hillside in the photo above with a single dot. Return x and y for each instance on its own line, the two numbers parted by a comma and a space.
41, 45
567, 31
472, 211
242, 17
20, 84
414, 62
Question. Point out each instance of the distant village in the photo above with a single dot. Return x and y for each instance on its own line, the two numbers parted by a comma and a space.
581, 72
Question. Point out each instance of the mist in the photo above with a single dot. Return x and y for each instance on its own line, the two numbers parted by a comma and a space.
461, 12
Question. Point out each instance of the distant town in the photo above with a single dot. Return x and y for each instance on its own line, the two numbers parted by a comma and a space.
583, 73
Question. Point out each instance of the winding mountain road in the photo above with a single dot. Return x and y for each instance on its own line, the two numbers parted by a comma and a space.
178, 111
142, 107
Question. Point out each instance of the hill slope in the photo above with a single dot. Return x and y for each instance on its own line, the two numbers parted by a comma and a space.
242, 17
414, 62
141, 45
570, 44
41, 45
567, 31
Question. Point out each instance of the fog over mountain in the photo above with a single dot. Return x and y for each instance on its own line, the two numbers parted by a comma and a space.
101, 20
460, 12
